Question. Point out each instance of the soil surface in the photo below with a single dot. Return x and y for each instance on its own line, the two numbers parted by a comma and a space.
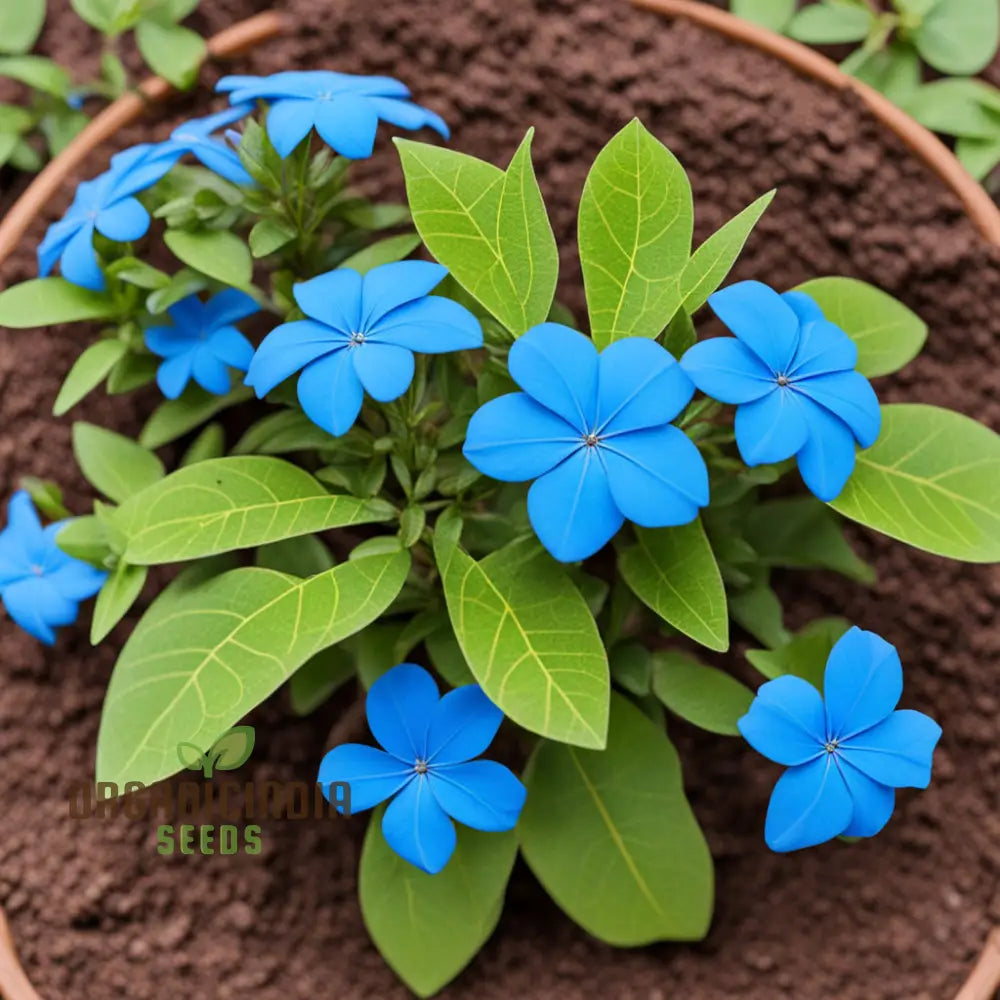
98, 914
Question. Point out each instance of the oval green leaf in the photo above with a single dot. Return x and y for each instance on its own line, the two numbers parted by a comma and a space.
119, 593
216, 252
932, 480
175, 417
612, 838
204, 656
47, 301
114, 464
708, 698
20, 25
959, 37
89, 370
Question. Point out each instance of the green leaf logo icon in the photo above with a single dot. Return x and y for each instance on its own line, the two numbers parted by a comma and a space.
231, 750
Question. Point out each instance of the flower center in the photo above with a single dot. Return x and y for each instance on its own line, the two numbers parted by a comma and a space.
37, 570
591, 440
831, 746
357, 338
782, 380
420, 767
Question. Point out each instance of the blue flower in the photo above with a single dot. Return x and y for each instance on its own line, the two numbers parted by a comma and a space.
845, 758
40, 585
361, 334
202, 344
344, 109
792, 374
594, 433
196, 137
426, 767
107, 204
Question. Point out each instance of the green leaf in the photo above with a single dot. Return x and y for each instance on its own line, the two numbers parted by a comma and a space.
959, 37
269, 235
758, 610
118, 594
487, 226
673, 571
312, 684
233, 749
888, 335
636, 219
804, 655
180, 285
99, 14
20, 25
968, 108
374, 649
14, 120
429, 927
802, 533
173, 52
303, 555
216, 252
706, 697
175, 417
979, 156
200, 660
773, 14
89, 370
139, 273
114, 464
447, 657
233, 503
46, 496
285, 431
894, 71
932, 480
38, 72
132, 371
210, 443
85, 538
831, 22
528, 637
386, 251
612, 838
365, 215
714, 259
47, 301
631, 667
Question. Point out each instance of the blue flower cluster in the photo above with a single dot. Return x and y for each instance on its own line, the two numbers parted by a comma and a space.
426, 766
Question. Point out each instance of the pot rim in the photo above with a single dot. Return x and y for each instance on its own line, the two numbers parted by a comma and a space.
978, 205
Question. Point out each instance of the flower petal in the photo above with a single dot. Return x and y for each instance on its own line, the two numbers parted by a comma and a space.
810, 804
823, 348
849, 396
432, 325
480, 793
400, 705
188, 315
513, 438
22, 519
124, 221
405, 114
761, 319
372, 774
898, 751
56, 238
728, 370
229, 306
347, 124
330, 392
209, 372
391, 285
804, 306
289, 348
72, 578
827, 459
333, 298
231, 347
385, 371
202, 128
786, 721
571, 508
418, 829
640, 384
79, 262
168, 341
173, 375
462, 725
873, 803
772, 428
289, 121
657, 476
35, 605
862, 684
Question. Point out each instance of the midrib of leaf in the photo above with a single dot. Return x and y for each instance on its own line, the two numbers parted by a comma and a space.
616, 837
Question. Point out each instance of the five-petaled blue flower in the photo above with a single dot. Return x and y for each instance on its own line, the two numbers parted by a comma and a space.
343, 108
202, 344
792, 373
40, 585
427, 767
361, 334
196, 137
107, 204
845, 758
593, 431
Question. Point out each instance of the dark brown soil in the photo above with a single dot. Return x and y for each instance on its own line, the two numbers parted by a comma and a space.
98, 914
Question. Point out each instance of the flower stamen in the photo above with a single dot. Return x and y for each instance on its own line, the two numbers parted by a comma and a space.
420, 766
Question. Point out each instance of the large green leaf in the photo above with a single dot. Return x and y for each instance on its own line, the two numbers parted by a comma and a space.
959, 37
114, 464
674, 572
38, 72
203, 657
20, 25
461, 904
706, 697
636, 220
216, 252
233, 503
487, 226
46, 301
612, 838
932, 479
887, 334
957, 106
528, 637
